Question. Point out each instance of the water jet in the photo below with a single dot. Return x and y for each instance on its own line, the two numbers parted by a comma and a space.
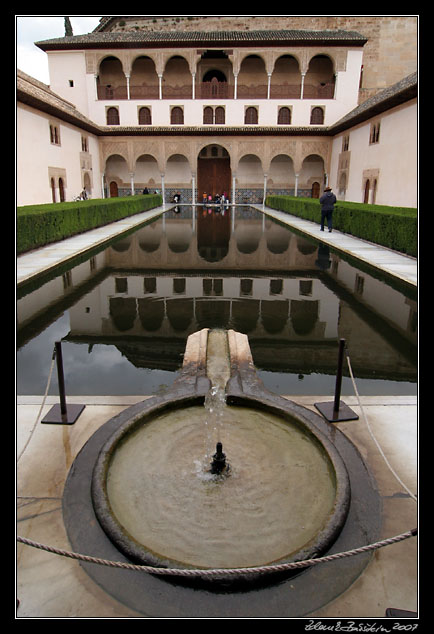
295, 490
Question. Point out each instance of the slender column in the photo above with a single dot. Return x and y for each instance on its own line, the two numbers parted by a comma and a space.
296, 185
233, 189
193, 189
96, 87
160, 86
265, 188
132, 183
128, 86
193, 85
235, 86
102, 185
303, 75
269, 85
163, 191
336, 86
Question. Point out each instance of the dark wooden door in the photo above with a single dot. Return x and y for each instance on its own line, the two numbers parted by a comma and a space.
214, 176
113, 189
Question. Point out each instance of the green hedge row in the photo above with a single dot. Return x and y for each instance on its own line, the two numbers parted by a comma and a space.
392, 227
38, 225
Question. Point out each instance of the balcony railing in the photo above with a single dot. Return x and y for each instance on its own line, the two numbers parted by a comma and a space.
144, 92
326, 91
215, 90
220, 90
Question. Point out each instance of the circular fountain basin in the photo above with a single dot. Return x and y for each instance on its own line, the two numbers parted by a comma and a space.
286, 497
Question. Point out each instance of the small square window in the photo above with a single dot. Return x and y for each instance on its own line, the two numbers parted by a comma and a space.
71, 83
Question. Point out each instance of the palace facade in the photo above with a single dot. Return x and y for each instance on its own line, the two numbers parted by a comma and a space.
194, 112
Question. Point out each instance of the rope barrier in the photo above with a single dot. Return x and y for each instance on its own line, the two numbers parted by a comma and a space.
225, 571
220, 571
412, 495
53, 358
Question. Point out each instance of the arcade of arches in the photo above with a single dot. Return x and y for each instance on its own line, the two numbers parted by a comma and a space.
246, 170
216, 74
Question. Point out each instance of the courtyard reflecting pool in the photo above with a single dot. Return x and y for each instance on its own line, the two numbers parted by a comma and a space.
124, 313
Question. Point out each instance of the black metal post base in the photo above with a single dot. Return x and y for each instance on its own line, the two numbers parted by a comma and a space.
336, 416
56, 417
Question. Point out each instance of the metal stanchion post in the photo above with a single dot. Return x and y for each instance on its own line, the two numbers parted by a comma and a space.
61, 413
338, 410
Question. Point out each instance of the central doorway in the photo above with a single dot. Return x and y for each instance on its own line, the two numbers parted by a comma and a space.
213, 172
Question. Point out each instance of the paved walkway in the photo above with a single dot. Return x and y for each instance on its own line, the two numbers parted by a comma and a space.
396, 264
38, 261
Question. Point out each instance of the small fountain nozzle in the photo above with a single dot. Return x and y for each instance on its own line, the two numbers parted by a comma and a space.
219, 464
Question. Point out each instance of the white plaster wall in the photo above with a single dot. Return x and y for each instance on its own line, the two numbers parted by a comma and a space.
65, 66
35, 154
395, 156
234, 108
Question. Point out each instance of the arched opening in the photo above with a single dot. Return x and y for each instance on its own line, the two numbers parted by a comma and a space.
251, 115
317, 116
53, 190
374, 192
114, 192
281, 175
111, 81
177, 115
284, 116
286, 78
117, 175
315, 189
146, 172
143, 79
367, 187
145, 117
312, 171
342, 185
214, 72
178, 177
214, 75
177, 81
61, 190
320, 79
252, 79
112, 115
304, 315
213, 171
86, 184
250, 179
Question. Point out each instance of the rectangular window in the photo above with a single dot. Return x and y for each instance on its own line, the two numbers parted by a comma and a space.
54, 133
374, 136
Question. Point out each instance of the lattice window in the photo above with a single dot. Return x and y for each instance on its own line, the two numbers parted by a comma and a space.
284, 116
317, 115
177, 115
112, 116
145, 117
251, 115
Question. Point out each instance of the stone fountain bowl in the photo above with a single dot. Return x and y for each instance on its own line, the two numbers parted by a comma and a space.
244, 392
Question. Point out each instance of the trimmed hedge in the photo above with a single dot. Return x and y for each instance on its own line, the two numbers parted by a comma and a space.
392, 227
38, 225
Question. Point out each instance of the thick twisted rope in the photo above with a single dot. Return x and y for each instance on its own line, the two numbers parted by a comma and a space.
220, 571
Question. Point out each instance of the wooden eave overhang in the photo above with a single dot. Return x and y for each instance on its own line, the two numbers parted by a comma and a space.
203, 39
395, 95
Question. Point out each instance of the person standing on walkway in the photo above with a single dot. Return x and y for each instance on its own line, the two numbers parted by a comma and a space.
327, 202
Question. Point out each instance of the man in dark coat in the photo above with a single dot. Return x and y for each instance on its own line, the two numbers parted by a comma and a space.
327, 202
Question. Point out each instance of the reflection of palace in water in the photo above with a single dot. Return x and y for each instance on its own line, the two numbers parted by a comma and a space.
220, 268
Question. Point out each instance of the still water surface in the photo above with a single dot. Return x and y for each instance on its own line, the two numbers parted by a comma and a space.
124, 313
